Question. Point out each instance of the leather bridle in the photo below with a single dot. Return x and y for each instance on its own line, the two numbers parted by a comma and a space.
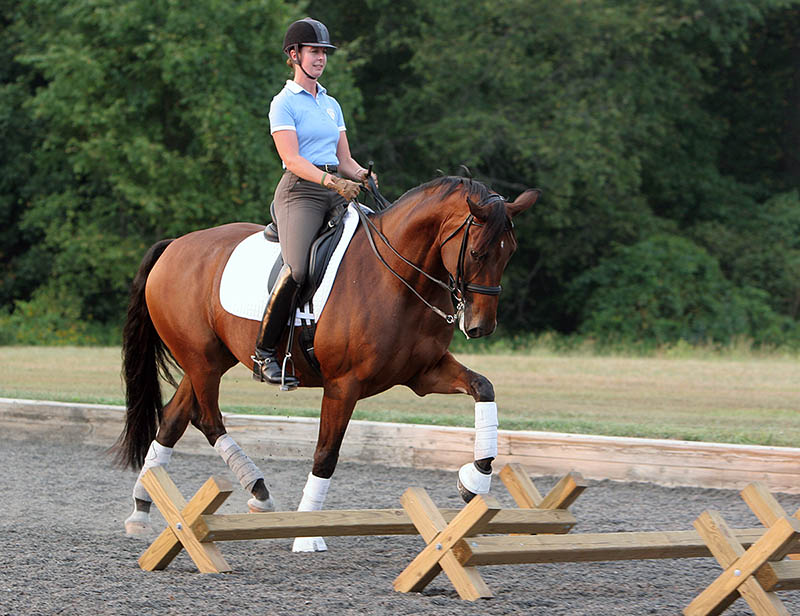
459, 283
457, 286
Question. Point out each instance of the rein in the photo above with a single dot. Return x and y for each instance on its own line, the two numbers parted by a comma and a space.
457, 287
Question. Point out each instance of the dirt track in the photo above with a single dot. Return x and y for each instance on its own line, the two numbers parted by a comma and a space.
64, 550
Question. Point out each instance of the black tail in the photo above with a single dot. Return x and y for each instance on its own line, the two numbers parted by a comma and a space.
144, 357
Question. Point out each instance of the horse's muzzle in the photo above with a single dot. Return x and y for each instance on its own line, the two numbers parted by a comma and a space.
478, 332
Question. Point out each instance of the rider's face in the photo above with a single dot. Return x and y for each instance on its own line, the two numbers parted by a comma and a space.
313, 60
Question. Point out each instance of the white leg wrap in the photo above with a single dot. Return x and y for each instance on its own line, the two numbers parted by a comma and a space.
157, 455
313, 498
314, 493
243, 467
474, 480
485, 430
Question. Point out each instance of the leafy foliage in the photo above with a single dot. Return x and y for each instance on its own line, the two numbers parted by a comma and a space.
665, 289
669, 128
151, 121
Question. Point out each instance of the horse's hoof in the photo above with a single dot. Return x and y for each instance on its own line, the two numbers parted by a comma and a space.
261, 506
137, 524
137, 529
466, 495
309, 544
472, 481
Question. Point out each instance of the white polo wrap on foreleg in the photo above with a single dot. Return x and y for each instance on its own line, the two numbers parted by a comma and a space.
157, 455
314, 493
313, 498
485, 430
246, 472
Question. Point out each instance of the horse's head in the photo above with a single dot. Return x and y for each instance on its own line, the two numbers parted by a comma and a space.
476, 253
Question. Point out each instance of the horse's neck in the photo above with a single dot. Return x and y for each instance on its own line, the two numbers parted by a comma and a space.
413, 228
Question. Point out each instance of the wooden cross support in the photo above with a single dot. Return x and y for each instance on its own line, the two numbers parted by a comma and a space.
184, 522
445, 541
196, 527
752, 558
756, 573
521, 488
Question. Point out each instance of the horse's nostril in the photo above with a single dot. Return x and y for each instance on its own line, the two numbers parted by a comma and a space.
475, 332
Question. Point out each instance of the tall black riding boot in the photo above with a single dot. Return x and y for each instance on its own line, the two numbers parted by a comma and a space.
266, 366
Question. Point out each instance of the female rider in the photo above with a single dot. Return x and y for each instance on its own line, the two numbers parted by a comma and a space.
309, 133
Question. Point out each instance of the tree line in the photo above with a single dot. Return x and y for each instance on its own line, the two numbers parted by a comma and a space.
665, 137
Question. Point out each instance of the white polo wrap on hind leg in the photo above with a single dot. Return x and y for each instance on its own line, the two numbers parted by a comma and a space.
313, 498
485, 430
237, 460
157, 455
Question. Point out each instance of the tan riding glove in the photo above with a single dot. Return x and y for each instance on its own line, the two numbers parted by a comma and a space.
347, 188
363, 175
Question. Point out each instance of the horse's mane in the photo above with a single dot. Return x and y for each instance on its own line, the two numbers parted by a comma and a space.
440, 188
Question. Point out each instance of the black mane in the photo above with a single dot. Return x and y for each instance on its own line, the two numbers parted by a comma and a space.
447, 185
496, 221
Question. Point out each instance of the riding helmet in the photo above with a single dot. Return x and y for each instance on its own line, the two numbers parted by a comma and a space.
307, 32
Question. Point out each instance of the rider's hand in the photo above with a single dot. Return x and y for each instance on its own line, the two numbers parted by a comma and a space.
363, 176
347, 188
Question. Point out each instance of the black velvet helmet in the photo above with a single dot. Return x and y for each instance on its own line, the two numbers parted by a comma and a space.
307, 32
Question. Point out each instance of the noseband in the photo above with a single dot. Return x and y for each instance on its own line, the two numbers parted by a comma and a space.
457, 286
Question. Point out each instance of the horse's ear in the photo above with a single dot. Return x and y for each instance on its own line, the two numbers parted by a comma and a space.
523, 202
478, 211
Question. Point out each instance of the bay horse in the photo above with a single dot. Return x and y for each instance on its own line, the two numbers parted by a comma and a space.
441, 250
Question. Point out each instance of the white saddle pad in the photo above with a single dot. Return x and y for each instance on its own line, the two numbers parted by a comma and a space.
243, 289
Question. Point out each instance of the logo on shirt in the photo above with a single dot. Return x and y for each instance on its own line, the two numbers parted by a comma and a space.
332, 113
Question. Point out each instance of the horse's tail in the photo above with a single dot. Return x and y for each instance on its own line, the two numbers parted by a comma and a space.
144, 357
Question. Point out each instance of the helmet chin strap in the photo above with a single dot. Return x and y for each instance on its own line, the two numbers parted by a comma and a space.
299, 63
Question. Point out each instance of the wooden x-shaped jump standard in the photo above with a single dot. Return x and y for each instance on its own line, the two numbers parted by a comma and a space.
756, 573
184, 522
445, 539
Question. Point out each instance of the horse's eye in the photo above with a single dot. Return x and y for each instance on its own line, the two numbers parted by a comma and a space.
474, 254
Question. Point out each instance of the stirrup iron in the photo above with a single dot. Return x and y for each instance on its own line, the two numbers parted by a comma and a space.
284, 385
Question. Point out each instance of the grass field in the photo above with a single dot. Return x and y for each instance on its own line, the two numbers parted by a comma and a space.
734, 400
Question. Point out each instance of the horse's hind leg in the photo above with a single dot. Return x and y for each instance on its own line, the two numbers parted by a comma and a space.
208, 420
174, 419
338, 403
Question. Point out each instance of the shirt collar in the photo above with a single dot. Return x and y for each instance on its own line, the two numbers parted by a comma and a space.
296, 88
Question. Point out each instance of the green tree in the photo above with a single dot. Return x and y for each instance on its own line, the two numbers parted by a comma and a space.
665, 289
151, 122
22, 261
608, 106
123, 122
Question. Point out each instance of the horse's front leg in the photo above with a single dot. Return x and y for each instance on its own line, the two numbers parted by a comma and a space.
449, 376
338, 402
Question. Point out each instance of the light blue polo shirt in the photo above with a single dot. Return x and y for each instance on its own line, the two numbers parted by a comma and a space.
317, 121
